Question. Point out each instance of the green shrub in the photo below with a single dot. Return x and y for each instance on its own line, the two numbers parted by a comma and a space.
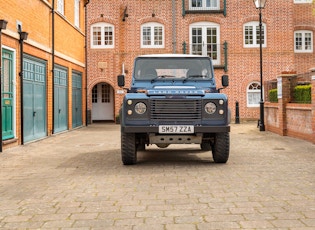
273, 95
302, 94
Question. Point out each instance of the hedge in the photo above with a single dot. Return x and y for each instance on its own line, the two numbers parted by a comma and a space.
302, 94
273, 95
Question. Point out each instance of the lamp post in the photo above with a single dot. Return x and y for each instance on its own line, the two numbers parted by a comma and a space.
3, 26
260, 4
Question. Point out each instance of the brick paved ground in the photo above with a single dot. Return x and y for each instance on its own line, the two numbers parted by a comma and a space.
76, 180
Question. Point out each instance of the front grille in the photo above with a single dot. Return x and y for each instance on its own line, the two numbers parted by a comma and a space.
175, 109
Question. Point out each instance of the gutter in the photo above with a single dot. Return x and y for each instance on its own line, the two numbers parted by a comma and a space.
53, 63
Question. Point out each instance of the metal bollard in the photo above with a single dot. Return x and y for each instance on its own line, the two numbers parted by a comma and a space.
237, 113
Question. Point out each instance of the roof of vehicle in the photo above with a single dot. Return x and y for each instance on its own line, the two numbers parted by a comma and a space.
170, 55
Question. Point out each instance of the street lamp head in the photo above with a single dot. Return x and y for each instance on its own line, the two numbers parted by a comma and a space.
3, 24
260, 4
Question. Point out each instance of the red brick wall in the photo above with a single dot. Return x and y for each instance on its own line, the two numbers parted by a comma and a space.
290, 119
281, 17
304, 19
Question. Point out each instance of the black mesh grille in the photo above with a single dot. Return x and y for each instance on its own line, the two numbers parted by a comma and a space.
169, 110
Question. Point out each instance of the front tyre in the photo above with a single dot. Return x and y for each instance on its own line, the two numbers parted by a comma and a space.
128, 148
221, 147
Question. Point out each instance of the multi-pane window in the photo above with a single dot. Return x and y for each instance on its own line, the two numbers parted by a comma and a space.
61, 6
252, 34
253, 94
152, 35
105, 93
94, 94
102, 35
101, 93
303, 41
204, 4
77, 13
205, 40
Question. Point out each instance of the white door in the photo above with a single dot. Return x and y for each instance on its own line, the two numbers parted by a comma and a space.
102, 102
205, 40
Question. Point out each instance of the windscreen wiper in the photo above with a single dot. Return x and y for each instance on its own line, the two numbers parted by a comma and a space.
193, 76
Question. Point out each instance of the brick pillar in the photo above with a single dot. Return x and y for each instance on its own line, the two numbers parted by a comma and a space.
284, 97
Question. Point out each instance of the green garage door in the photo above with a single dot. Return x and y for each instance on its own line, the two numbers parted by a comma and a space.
76, 99
60, 99
34, 99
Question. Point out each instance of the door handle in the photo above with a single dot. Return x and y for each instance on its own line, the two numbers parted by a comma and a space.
59, 110
34, 114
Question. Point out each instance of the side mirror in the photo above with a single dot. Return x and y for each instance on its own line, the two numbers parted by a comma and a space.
121, 80
225, 80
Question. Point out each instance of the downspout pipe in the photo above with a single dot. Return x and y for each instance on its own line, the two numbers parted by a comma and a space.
86, 63
23, 36
2, 26
174, 25
53, 63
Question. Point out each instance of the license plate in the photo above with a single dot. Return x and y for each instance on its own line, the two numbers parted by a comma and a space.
176, 129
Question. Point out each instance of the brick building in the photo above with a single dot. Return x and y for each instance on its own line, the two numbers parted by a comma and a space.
43, 77
226, 30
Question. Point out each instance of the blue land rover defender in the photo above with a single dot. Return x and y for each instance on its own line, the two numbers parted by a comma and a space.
173, 99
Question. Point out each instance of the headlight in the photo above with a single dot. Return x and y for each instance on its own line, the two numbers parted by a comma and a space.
210, 108
140, 108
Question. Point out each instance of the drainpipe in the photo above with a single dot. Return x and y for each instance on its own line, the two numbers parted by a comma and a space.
174, 25
86, 77
53, 63
3, 26
23, 36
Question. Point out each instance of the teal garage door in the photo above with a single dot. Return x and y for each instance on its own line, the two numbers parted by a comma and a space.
34, 99
60, 100
76, 99
7, 94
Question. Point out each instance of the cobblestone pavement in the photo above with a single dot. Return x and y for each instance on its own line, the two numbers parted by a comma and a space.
76, 180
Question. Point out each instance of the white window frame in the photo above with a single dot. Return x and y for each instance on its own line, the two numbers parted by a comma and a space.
152, 26
253, 91
77, 13
61, 6
103, 26
303, 34
255, 24
204, 26
203, 5
302, 1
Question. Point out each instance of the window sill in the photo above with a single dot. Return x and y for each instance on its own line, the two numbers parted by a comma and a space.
204, 11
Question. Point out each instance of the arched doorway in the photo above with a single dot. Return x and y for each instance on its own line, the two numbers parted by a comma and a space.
102, 102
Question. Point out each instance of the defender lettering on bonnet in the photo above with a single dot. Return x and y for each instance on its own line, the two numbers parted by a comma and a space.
173, 99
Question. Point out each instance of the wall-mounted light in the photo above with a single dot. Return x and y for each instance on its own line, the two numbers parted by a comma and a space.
23, 36
125, 15
3, 24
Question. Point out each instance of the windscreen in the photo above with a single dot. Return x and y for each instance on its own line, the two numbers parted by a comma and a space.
173, 68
